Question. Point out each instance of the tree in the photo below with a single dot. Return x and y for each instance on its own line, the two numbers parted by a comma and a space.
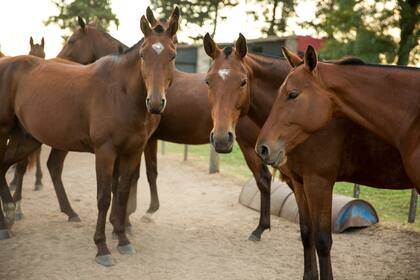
195, 13
91, 10
275, 24
376, 31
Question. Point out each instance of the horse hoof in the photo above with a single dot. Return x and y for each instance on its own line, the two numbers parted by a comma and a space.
4, 234
10, 214
254, 237
105, 260
147, 218
38, 187
126, 249
19, 216
75, 219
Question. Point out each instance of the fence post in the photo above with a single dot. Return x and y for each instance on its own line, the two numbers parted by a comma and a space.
162, 147
356, 191
185, 152
413, 206
214, 161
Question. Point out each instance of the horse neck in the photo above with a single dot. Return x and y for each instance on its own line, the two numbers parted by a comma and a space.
266, 75
124, 73
382, 99
107, 45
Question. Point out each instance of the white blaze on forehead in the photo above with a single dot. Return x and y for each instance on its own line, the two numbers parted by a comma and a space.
223, 73
158, 47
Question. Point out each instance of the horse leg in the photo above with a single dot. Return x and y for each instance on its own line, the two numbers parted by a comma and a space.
55, 165
105, 158
263, 179
132, 199
38, 173
17, 196
318, 193
4, 231
150, 154
128, 167
12, 184
306, 232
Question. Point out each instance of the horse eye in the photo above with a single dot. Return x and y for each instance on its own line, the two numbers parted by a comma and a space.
292, 94
172, 58
243, 82
206, 81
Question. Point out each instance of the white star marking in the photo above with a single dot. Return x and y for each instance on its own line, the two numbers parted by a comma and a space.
223, 73
158, 47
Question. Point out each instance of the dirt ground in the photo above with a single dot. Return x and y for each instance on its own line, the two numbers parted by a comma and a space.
200, 232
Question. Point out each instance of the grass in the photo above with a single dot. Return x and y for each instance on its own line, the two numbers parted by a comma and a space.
391, 205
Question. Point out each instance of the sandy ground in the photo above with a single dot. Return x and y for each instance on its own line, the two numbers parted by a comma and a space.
200, 232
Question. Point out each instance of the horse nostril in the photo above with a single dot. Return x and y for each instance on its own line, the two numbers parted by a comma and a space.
147, 101
231, 137
162, 102
212, 137
263, 151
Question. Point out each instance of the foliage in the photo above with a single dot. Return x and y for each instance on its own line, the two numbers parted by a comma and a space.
195, 14
275, 23
91, 10
369, 29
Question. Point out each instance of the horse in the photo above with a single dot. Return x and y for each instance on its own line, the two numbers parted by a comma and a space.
87, 44
35, 50
179, 126
371, 151
109, 108
341, 151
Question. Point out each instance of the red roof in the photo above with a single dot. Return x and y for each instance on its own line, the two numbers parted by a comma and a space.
304, 41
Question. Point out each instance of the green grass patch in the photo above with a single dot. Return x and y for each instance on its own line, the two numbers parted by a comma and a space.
391, 205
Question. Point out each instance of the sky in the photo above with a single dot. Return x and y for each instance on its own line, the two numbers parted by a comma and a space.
20, 19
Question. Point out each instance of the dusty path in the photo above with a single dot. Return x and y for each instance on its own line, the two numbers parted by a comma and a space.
200, 232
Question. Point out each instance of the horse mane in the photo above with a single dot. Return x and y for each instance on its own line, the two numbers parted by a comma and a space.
349, 61
358, 61
108, 36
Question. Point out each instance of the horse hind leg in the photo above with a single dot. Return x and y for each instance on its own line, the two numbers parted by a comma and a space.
38, 172
17, 196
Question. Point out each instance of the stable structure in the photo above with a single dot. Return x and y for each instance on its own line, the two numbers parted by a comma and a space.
347, 212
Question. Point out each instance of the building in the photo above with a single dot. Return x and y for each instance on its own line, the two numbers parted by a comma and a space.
192, 58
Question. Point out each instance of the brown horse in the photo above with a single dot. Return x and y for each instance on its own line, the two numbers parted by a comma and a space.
35, 50
87, 43
353, 149
180, 126
351, 154
102, 108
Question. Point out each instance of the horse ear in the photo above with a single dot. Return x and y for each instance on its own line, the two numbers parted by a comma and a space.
310, 58
31, 41
241, 48
212, 50
150, 16
144, 26
42, 42
293, 59
173, 22
82, 23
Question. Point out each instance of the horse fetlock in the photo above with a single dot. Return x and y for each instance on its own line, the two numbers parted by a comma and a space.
9, 213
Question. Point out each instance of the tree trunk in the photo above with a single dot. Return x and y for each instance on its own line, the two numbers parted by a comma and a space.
273, 19
215, 19
408, 21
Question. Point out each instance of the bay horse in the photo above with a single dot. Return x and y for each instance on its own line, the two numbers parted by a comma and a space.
354, 154
180, 126
35, 50
108, 108
87, 44
342, 150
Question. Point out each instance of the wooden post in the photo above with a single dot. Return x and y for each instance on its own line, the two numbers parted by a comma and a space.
162, 147
356, 191
214, 161
413, 206
185, 152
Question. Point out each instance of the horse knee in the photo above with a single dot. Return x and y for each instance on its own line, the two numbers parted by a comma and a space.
323, 244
